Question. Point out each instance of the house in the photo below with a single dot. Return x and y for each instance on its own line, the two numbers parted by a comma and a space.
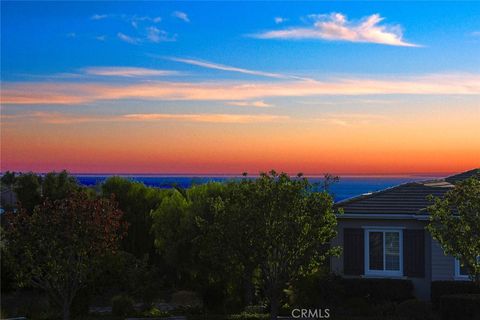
383, 236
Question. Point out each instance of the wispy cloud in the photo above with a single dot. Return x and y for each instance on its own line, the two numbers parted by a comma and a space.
71, 35
475, 33
87, 92
181, 15
336, 26
212, 118
279, 20
350, 119
156, 35
127, 72
256, 104
99, 16
127, 39
101, 38
61, 118
217, 66
135, 20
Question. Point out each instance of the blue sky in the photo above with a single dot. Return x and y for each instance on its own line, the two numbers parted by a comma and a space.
61, 37
223, 87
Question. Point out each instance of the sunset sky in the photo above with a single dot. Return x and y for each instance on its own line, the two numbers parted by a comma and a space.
226, 87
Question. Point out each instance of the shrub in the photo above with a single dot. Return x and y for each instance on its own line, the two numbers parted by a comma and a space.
317, 290
379, 290
249, 316
122, 305
358, 306
415, 310
186, 298
441, 288
460, 306
155, 312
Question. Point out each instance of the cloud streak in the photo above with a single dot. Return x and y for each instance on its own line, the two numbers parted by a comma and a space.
181, 15
60, 118
217, 66
336, 27
78, 93
127, 72
128, 39
256, 104
156, 35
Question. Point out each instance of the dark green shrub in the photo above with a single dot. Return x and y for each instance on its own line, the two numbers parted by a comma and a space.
122, 305
441, 288
415, 310
255, 309
155, 312
316, 291
377, 291
249, 316
358, 306
460, 306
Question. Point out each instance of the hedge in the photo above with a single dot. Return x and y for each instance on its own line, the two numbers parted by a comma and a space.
379, 290
460, 306
333, 291
441, 288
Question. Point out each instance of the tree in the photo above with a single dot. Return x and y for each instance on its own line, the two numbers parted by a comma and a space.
56, 186
28, 188
296, 228
55, 248
455, 224
8, 178
31, 188
136, 201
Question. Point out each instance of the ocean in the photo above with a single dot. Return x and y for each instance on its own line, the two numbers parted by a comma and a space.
347, 187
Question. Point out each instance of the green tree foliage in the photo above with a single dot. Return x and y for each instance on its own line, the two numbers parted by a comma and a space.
296, 227
31, 189
56, 247
183, 227
136, 202
455, 224
274, 227
56, 186
28, 188
8, 179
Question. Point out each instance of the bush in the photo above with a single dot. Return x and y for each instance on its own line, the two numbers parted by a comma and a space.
358, 306
377, 291
122, 305
460, 306
155, 312
316, 290
415, 310
255, 309
441, 288
186, 298
249, 316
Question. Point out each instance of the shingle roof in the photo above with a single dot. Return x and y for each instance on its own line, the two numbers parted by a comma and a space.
464, 175
408, 198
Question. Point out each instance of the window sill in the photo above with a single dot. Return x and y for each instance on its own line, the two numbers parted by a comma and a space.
385, 275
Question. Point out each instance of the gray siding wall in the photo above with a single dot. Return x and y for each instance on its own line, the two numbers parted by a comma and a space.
444, 266
421, 285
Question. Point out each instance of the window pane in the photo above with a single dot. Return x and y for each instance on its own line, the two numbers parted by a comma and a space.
392, 251
376, 250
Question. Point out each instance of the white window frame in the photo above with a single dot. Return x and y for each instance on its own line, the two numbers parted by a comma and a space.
383, 273
459, 276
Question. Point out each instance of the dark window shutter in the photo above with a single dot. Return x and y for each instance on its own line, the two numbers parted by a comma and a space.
414, 253
353, 251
